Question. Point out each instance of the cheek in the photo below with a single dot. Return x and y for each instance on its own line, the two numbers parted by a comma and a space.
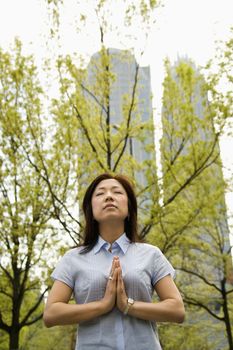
125, 204
94, 206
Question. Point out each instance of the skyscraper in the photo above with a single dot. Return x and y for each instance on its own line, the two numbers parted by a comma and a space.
194, 185
127, 100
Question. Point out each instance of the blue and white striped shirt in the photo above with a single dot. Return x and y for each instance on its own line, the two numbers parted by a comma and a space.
142, 266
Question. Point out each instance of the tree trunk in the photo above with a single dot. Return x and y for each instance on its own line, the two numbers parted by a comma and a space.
108, 121
14, 339
226, 316
228, 329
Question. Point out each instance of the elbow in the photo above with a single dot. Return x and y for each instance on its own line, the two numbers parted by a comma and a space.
181, 314
181, 318
47, 319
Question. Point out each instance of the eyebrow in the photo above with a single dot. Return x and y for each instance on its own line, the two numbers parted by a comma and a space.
104, 188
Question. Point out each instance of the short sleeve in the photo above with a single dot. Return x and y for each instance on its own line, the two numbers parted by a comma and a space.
63, 271
161, 267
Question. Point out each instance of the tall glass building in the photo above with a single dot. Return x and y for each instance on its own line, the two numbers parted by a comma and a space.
128, 98
191, 160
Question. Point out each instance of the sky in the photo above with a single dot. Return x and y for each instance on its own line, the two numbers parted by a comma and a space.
188, 28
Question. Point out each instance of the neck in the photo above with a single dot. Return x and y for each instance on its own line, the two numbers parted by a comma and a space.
110, 232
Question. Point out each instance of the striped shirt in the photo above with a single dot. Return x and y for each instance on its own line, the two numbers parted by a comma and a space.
143, 265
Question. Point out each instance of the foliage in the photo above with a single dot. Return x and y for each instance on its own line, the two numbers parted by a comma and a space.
198, 332
25, 204
198, 241
85, 106
100, 15
46, 163
37, 336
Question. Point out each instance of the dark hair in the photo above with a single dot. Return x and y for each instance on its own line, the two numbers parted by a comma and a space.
91, 230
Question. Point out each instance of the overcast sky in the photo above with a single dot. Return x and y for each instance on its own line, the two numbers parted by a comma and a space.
183, 28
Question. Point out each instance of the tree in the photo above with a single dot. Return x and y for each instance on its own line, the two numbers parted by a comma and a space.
25, 204
193, 227
188, 158
46, 164
36, 152
37, 337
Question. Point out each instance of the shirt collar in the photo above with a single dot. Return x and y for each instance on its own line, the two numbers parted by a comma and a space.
123, 242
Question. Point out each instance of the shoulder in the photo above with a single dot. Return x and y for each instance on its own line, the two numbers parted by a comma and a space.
70, 261
72, 253
149, 248
160, 266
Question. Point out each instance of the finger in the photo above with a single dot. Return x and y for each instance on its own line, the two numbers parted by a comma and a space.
112, 281
113, 266
120, 282
119, 272
117, 263
119, 277
113, 275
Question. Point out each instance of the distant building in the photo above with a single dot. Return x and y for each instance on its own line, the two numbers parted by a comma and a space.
189, 136
179, 139
130, 84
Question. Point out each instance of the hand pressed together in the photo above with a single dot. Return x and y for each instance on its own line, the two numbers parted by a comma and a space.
115, 290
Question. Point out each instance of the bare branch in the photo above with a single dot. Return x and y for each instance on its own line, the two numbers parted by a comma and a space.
3, 325
7, 273
204, 165
129, 117
201, 277
25, 321
203, 306
94, 97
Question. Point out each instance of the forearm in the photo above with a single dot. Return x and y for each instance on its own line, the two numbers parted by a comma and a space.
60, 313
169, 310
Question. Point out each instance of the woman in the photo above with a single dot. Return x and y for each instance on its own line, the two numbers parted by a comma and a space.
113, 277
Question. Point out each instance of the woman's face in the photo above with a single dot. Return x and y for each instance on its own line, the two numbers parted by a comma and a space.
109, 201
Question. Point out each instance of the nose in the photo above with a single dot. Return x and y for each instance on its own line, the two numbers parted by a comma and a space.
108, 196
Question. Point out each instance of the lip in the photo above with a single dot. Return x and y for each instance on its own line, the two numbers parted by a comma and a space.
109, 206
